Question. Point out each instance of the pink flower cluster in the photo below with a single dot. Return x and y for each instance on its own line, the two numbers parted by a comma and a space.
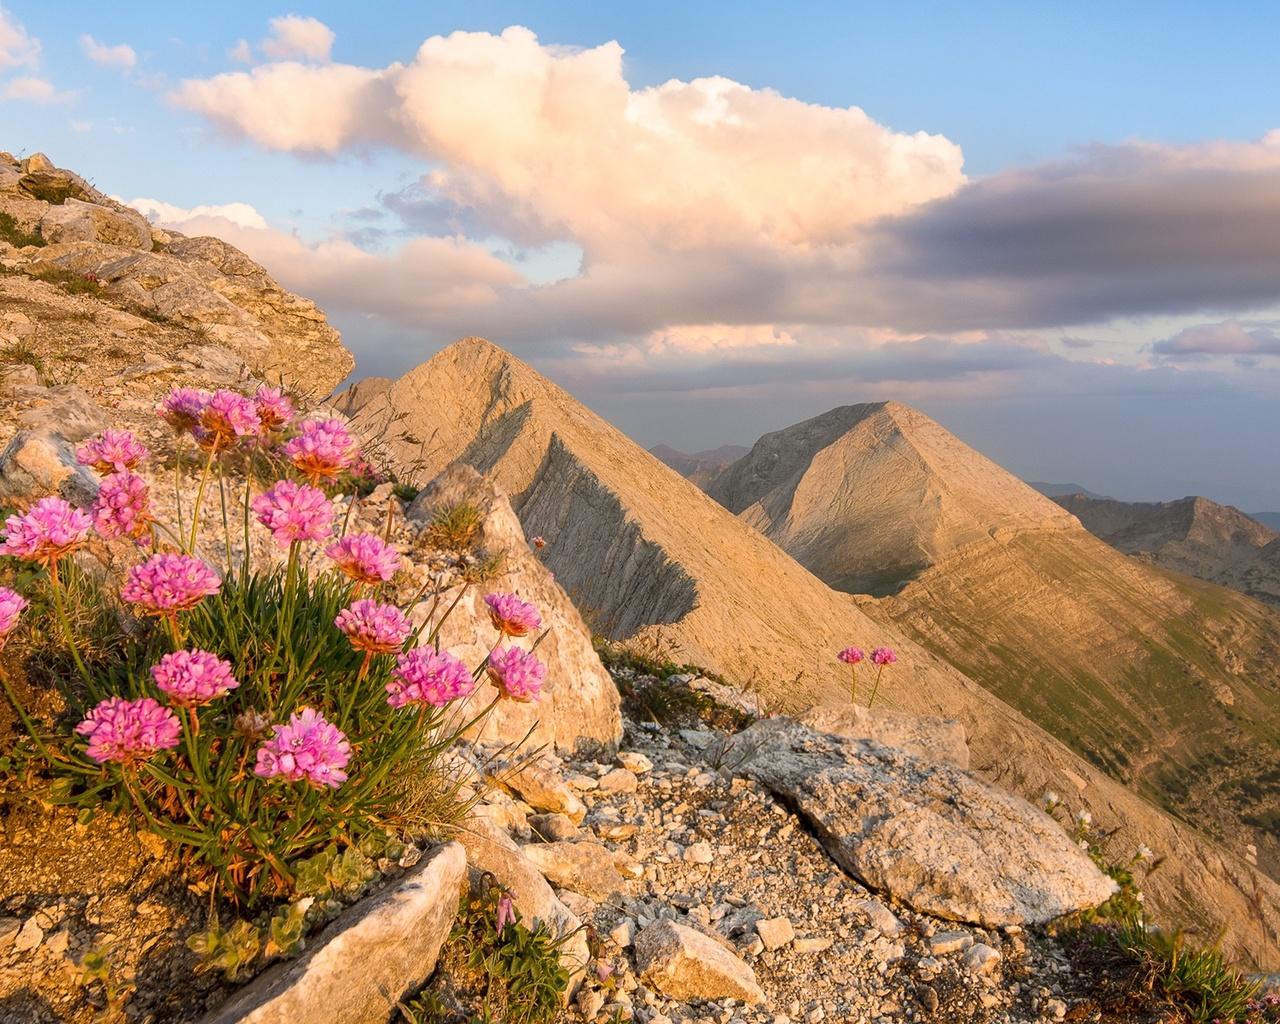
365, 557
310, 747
182, 408
294, 512
123, 506
517, 674
322, 449
51, 529
129, 730
226, 418
851, 655
113, 451
423, 676
275, 409
883, 656
511, 616
370, 626
11, 605
168, 583
192, 678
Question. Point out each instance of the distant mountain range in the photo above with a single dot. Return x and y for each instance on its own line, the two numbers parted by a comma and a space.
700, 466
1057, 490
1095, 669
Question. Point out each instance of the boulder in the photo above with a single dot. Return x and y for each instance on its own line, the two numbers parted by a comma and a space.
34, 465
931, 835
78, 221
544, 790
684, 964
591, 869
579, 710
925, 736
376, 954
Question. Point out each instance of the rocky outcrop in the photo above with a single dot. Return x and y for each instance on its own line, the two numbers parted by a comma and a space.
927, 737
377, 953
203, 284
928, 834
1195, 536
579, 703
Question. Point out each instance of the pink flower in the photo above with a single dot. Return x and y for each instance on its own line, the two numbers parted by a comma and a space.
511, 616
192, 678
380, 628
506, 911
114, 450
538, 542
11, 605
226, 418
168, 583
129, 730
517, 674
294, 512
422, 676
182, 408
323, 449
310, 747
851, 655
365, 557
50, 530
123, 506
883, 656
275, 409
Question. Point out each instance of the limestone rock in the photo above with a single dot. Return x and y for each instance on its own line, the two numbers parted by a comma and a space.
585, 867
78, 221
775, 932
579, 707
489, 849
65, 411
554, 828
934, 837
362, 966
34, 465
925, 736
685, 964
544, 790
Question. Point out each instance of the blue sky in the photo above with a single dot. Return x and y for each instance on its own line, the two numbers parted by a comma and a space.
1054, 227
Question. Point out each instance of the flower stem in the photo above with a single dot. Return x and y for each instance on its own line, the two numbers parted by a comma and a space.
875, 689
60, 608
195, 513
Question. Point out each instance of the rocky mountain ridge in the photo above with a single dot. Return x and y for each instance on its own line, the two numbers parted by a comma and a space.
1193, 535
700, 585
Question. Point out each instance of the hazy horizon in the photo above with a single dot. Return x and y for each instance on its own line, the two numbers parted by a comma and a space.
1055, 231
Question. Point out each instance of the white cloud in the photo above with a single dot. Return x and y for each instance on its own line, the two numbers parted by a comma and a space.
167, 215
121, 56
35, 90
294, 37
17, 49
544, 143
241, 52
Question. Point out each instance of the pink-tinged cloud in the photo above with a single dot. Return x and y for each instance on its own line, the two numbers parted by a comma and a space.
121, 56
541, 144
1225, 339
17, 49
35, 90
427, 280
297, 38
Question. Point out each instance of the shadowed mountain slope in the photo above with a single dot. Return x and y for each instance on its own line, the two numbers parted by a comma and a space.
1162, 680
1196, 536
662, 563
